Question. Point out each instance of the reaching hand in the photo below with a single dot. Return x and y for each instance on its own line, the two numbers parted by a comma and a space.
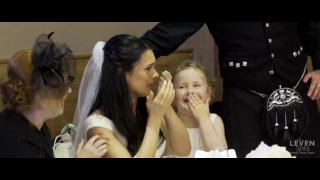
199, 109
314, 90
94, 148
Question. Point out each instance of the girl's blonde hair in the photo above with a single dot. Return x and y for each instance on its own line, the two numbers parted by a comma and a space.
211, 82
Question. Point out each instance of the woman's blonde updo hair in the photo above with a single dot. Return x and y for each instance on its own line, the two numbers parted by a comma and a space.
197, 66
16, 90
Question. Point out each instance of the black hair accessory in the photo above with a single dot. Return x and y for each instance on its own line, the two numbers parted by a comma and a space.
54, 62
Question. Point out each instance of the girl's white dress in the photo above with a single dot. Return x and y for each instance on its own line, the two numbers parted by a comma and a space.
196, 139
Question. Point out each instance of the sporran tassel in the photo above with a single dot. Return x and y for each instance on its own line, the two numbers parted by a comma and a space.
286, 137
294, 123
276, 127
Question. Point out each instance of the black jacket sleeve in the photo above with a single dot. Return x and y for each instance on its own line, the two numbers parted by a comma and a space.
16, 147
166, 37
310, 38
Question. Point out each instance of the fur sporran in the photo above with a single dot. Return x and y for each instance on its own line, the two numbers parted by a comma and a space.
285, 117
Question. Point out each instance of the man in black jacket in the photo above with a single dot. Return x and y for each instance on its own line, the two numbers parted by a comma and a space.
268, 94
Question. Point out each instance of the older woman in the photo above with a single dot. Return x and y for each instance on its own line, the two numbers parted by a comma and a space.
38, 81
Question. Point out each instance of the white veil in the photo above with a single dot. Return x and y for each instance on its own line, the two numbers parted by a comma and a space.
88, 90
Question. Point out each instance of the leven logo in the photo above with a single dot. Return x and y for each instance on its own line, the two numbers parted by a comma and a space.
303, 146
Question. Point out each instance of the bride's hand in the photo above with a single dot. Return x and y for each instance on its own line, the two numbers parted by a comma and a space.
158, 105
166, 76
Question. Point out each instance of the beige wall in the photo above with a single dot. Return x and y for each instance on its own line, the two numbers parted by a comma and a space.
203, 46
80, 36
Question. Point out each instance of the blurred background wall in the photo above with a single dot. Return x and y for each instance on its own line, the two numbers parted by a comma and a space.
82, 36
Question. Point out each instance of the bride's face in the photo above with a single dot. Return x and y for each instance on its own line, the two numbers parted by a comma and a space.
141, 78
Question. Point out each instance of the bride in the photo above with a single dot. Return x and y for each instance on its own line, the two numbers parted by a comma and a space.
116, 102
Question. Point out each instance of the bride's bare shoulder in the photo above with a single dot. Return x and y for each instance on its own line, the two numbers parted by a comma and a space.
97, 112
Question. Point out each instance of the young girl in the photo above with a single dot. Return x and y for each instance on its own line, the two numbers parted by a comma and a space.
194, 92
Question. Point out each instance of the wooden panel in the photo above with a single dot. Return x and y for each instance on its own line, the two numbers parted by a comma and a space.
168, 63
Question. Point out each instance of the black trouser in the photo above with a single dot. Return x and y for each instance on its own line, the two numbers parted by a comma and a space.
242, 116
